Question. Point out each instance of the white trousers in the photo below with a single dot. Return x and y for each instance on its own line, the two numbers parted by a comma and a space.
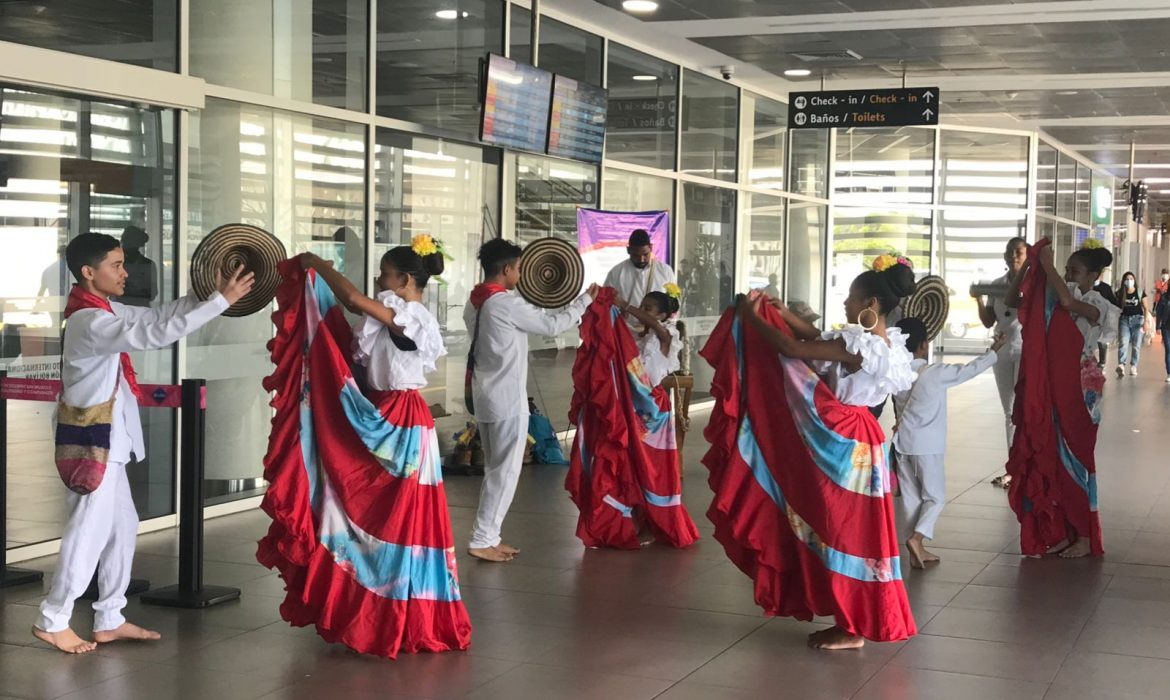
100, 536
1007, 371
503, 456
923, 484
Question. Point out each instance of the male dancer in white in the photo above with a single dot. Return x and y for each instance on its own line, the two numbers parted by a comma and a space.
501, 321
641, 274
103, 524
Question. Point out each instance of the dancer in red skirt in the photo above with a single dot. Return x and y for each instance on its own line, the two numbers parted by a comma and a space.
360, 532
799, 464
624, 473
1058, 401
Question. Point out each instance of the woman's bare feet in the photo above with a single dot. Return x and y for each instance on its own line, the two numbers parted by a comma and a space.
1077, 549
126, 631
914, 549
1003, 481
1057, 548
66, 640
489, 554
834, 639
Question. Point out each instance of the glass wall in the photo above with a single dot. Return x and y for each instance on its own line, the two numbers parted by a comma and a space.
804, 286
313, 51
710, 126
763, 230
764, 152
143, 33
70, 166
548, 192
706, 265
568, 51
809, 162
301, 178
626, 191
643, 108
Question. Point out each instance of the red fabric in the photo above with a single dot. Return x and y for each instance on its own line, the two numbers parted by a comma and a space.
80, 299
610, 457
1050, 406
758, 533
484, 291
321, 590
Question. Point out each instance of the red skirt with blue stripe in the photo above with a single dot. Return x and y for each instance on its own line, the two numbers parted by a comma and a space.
361, 533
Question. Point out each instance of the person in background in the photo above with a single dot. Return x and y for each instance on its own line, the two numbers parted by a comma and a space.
1133, 319
55, 284
1102, 287
141, 272
1160, 288
642, 273
772, 290
1161, 316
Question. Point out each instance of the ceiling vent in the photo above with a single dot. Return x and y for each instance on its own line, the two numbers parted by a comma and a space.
835, 55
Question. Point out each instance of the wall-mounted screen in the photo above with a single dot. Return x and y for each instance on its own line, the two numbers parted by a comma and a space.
577, 123
515, 105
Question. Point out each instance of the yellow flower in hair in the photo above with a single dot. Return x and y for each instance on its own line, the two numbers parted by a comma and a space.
424, 245
884, 262
672, 290
1091, 243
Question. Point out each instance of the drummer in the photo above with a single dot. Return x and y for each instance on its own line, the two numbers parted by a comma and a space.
500, 321
642, 273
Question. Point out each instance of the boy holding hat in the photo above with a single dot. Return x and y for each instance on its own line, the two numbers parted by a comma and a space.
500, 321
95, 366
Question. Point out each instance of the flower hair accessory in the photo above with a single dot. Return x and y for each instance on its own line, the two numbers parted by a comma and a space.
672, 290
887, 260
424, 245
1092, 244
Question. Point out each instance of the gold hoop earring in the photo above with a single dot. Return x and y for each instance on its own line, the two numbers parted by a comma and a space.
871, 326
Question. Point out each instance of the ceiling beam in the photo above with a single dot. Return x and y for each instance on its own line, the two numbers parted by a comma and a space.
999, 82
968, 16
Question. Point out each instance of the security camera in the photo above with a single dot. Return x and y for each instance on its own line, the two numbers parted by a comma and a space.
727, 72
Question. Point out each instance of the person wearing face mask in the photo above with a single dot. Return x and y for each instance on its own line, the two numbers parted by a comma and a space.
1133, 318
1160, 288
641, 274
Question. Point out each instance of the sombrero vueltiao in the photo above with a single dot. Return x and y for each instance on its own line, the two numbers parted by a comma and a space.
224, 249
551, 273
930, 303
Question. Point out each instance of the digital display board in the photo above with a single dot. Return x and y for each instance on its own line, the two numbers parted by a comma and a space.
515, 105
577, 122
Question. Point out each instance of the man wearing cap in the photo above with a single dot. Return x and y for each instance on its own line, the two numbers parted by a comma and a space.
642, 273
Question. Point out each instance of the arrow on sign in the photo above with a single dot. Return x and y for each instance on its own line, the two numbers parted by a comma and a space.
928, 113
928, 96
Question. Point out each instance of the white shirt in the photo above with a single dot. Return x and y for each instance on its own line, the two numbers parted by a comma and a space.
1105, 329
500, 382
91, 362
1007, 323
922, 409
392, 369
885, 368
656, 364
633, 284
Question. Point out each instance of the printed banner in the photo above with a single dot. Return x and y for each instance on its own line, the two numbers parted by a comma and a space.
602, 237
153, 395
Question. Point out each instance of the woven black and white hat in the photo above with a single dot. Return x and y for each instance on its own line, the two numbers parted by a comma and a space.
551, 273
226, 248
930, 303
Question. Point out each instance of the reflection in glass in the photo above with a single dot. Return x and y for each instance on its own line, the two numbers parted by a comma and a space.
626, 191
568, 51
765, 150
710, 124
70, 166
428, 66
706, 266
810, 162
1084, 194
301, 178
643, 108
805, 284
312, 51
1066, 186
548, 192
139, 33
520, 39
764, 233
1045, 179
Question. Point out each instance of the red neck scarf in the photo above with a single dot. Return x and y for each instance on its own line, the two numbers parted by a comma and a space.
485, 291
80, 299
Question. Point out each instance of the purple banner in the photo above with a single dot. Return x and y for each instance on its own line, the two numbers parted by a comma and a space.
602, 237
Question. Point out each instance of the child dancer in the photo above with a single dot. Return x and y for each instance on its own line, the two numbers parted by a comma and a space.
95, 369
500, 322
1006, 321
625, 469
360, 529
1054, 482
921, 435
798, 463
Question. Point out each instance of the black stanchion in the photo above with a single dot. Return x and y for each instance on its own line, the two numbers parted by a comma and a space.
9, 575
190, 591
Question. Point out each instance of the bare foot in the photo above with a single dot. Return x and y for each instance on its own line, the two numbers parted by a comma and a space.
1003, 481
834, 639
1057, 548
66, 640
507, 549
1077, 549
126, 631
914, 549
929, 557
489, 554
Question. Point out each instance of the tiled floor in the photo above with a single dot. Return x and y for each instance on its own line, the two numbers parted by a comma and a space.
563, 622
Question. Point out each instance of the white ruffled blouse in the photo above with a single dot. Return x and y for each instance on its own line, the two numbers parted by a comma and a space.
1105, 330
392, 369
657, 365
885, 369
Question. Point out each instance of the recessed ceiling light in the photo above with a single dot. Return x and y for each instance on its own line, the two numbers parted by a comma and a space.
450, 14
645, 77
639, 5
797, 72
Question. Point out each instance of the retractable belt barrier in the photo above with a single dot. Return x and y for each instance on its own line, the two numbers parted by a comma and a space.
190, 398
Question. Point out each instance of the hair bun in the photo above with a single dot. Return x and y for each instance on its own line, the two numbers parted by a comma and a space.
1102, 256
899, 279
433, 264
